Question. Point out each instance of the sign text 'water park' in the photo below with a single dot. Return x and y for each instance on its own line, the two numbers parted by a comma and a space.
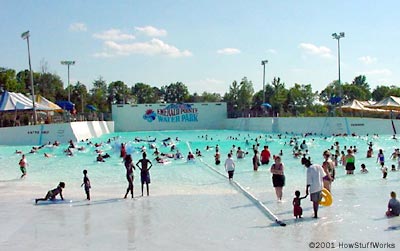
173, 113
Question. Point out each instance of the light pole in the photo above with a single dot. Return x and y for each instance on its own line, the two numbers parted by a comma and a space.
338, 37
68, 63
26, 35
263, 63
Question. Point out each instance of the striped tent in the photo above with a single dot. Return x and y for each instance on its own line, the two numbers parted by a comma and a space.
11, 101
45, 102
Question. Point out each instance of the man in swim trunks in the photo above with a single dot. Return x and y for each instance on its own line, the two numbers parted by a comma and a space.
22, 165
144, 171
315, 174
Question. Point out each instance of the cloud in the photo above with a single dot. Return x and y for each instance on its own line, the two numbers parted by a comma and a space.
113, 35
78, 27
272, 51
103, 55
211, 81
210, 85
312, 49
152, 47
367, 59
151, 31
298, 70
228, 51
380, 72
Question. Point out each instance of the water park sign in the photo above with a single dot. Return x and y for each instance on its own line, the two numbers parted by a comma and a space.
173, 113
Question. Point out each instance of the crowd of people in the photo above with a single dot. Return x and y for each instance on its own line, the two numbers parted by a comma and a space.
319, 176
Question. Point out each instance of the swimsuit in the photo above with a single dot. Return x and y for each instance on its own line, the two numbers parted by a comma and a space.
297, 210
278, 180
350, 163
145, 177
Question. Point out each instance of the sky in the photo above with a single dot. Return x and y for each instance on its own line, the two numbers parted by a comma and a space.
205, 44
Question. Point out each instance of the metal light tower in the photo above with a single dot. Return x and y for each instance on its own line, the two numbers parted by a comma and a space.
338, 37
263, 63
26, 35
68, 63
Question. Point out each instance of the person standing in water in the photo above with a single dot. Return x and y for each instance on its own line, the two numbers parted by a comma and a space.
144, 171
315, 174
23, 163
230, 166
350, 162
278, 177
329, 169
129, 174
86, 184
256, 160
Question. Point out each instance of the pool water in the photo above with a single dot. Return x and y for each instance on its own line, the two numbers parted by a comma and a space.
184, 191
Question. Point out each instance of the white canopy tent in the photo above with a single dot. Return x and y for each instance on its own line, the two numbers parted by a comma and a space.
11, 101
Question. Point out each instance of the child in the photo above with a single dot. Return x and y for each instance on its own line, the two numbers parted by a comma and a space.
297, 210
86, 182
53, 193
381, 157
217, 156
394, 168
363, 168
190, 156
384, 170
393, 206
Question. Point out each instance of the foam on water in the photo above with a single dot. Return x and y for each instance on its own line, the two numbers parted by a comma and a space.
191, 206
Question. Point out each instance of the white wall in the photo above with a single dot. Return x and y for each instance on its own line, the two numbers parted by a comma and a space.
214, 116
200, 116
40, 134
319, 125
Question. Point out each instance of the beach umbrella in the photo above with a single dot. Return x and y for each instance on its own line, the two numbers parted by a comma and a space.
335, 100
266, 105
66, 105
91, 108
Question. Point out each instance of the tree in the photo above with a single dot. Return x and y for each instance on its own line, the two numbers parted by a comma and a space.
205, 97
359, 89
175, 93
351, 92
118, 91
98, 95
300, 97
231, 98
9, 82
361, 81
279, 96
245, 94
144, 93
50, 86
380, 93
24, 77
78, 96
329, 91
239, 98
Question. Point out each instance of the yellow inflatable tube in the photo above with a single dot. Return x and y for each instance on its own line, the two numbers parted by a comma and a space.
326, 199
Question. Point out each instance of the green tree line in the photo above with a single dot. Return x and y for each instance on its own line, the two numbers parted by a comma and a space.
241, 99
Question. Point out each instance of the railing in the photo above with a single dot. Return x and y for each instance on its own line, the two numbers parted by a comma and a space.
9, 119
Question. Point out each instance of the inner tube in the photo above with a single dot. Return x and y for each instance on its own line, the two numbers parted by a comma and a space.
326, 199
